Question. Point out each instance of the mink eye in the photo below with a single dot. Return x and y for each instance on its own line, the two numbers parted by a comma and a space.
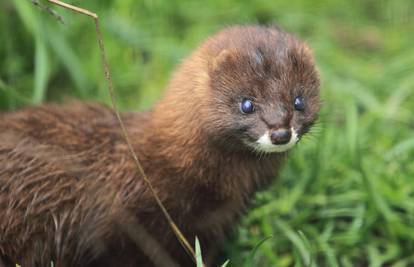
246, 106
299, 103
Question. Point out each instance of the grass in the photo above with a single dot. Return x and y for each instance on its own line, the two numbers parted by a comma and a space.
346, 196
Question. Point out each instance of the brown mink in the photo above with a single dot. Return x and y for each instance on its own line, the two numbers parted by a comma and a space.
70, 192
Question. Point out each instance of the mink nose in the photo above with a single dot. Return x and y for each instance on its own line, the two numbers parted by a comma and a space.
280, 136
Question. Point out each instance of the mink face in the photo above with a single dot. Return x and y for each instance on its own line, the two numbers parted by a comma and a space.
264, 90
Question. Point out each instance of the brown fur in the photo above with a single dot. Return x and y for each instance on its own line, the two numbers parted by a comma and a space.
69, 189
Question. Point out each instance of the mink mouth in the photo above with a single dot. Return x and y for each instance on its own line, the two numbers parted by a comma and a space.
264, 145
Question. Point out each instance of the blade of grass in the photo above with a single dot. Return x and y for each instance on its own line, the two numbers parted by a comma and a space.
69, 59
32, 23
225, 263
199, 257
404, 146
250, 257
41, 74
296, 240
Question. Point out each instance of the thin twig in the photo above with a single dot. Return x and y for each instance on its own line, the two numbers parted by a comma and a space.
49, 10
184, 242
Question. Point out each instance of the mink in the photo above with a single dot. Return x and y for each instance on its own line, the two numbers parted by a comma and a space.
70, 192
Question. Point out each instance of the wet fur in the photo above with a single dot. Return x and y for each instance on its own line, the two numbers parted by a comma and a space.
69, 189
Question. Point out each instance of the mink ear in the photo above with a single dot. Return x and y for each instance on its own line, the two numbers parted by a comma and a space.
224, 59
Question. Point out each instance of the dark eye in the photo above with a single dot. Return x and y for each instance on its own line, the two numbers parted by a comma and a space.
246, 106
299, 103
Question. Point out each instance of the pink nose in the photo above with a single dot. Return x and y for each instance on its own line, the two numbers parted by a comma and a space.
280, 136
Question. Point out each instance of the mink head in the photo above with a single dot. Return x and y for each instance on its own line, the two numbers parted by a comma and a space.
263, 88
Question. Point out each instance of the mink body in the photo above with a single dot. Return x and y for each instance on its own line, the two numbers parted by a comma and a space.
70, 191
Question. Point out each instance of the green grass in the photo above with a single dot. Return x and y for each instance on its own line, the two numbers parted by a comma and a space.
346, 196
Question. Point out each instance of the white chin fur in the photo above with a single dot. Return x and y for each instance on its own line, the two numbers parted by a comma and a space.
264, 144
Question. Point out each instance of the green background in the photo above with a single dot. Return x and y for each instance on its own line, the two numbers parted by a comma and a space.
346, 196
